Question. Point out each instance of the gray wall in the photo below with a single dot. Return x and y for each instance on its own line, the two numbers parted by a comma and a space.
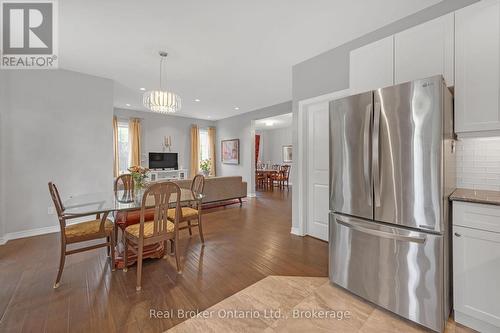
272, 142
3, 138
156, 126
329, 71
55, 125
240, 127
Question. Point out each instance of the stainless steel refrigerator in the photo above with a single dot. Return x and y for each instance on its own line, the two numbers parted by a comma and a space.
391, 172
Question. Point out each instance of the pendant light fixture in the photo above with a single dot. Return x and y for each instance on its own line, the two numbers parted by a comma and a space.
161, 101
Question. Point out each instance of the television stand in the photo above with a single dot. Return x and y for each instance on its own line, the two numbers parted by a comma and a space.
156, 175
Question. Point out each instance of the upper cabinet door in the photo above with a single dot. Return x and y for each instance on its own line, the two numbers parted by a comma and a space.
477, 71
425, 50
372, 66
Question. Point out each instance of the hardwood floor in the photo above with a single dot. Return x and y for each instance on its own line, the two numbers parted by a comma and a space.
242, 246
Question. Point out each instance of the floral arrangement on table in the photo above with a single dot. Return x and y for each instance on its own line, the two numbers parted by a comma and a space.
205, 166
139, 174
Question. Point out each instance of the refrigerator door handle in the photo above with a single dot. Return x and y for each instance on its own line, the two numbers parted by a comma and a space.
366, 153
376, 154
379, 233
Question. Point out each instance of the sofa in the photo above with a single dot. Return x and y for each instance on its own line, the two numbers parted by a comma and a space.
221, 190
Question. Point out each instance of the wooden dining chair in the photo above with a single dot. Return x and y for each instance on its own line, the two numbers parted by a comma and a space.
284, 176
274, 176
159, 229
100, 227
260, 179
192, 212
124, 182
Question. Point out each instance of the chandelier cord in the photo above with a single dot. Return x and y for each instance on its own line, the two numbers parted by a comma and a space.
163, 77
161, 71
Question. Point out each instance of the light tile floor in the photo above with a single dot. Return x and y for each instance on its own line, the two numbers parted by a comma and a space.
292, 301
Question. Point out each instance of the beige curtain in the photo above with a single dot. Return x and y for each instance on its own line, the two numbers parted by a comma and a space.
211, 149
195, 146
116, 161
134, 130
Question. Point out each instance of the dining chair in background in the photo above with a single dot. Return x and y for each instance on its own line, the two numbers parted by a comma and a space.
124, 182
260, 179
284, 177
192, 212
159, 229
100, 227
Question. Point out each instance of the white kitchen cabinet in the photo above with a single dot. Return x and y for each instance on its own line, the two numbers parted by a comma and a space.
477, 67
476, 265
372, 66
425, 50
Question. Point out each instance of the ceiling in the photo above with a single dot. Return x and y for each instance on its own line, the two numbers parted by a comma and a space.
281, 121
234, 56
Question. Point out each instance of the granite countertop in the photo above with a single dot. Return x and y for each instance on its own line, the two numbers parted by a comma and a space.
477, 196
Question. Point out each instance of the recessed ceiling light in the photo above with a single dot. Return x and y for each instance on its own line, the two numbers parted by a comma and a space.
142, 89
127, 104
269, 123
236, 108
196, 100
209, 117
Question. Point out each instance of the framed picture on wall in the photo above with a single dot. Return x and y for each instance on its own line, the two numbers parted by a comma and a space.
230, 151
287, 154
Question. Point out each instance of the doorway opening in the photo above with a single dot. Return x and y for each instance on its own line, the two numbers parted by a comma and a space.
273, 154
313, 165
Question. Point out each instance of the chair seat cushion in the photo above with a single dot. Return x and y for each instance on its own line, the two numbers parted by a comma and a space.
148, 229
87, 228
187, 212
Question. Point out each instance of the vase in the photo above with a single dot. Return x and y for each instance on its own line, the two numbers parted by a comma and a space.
138, 194
206, 173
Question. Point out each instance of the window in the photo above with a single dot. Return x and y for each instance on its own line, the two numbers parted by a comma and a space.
123, 147
204, 147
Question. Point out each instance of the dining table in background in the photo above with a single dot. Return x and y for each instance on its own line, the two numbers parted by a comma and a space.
267, 171
268, 174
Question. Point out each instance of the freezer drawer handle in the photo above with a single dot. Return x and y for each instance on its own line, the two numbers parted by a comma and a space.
379, 233
457, 234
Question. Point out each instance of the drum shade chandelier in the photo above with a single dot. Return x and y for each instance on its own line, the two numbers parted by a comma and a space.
161, 101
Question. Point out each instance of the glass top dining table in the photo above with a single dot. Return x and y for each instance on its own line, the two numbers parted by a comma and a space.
115, 201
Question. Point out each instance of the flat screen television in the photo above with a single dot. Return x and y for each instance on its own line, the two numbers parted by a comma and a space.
163, 161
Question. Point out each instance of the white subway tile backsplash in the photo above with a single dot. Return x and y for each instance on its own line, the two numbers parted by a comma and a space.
493, 170
478, 163
467, 164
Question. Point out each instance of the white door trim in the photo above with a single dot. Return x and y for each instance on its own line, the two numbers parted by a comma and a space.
251, 191
302, 173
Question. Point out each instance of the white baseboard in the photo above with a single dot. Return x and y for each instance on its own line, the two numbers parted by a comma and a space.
296, 231
476, 324
28, 233
251, 195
